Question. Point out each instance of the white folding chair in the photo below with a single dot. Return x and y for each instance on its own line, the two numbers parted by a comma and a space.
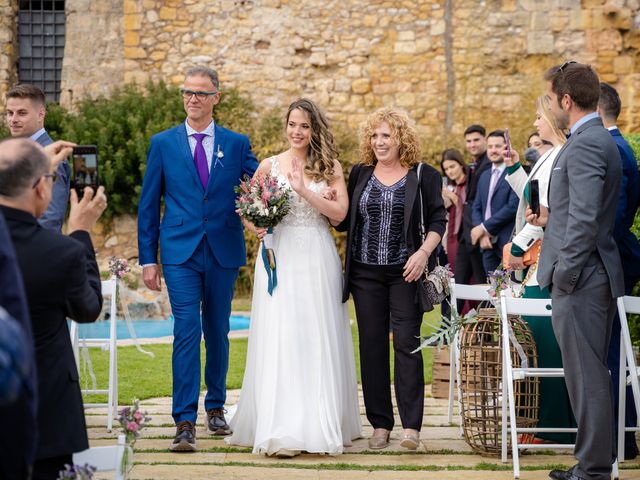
459, 291
109, 289
104, 459
627, 305
536, 308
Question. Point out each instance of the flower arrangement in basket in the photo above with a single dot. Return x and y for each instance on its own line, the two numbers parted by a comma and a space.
132, 420
264, 201
77, 472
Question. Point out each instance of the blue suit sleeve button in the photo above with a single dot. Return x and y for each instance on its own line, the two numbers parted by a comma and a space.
206, 219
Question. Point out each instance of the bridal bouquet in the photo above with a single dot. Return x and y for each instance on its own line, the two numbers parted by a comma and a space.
264, 201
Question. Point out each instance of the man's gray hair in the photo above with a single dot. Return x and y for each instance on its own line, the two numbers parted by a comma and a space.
22, 162
205, 72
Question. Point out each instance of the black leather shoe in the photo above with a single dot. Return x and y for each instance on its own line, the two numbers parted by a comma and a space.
216, 424
564, 474
185, 440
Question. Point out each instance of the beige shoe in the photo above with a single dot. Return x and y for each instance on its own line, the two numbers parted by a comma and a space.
379, 439
286, 453
410, 440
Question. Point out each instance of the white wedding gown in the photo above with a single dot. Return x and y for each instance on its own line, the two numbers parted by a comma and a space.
299, 390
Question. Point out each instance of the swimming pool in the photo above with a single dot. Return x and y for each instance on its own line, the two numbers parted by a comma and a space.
146, 328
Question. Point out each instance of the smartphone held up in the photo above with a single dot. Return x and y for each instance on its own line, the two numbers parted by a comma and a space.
85, 168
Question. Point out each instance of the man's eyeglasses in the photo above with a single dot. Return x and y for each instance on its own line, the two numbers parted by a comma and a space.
565, 65
52, 176
187, 94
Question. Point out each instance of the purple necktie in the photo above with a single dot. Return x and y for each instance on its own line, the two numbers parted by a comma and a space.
200, 159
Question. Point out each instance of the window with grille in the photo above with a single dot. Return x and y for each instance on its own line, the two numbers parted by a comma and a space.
41, 44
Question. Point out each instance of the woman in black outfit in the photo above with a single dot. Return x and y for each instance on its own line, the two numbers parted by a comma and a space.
385, 256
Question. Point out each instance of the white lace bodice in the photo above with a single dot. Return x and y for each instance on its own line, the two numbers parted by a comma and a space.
301, 213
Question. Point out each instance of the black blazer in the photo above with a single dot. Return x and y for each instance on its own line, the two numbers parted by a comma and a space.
61, 280
17, 451
435, 215
476, 169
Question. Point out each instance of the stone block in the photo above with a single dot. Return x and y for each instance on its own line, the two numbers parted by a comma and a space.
354, 71
539, 21
361, 86
148, 4
623, 65
132, 22
406, 35
580, 19
539, 43
405, 47
342, 85
131, 38
370, 20
168, 13
152, 16
438, 27
134, 52
318, 59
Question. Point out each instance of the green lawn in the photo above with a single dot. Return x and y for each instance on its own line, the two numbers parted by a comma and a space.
141, 376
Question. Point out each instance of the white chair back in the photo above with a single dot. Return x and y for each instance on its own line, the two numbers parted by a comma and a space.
104, 459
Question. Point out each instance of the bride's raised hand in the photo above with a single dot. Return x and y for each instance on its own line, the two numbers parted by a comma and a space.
295, 176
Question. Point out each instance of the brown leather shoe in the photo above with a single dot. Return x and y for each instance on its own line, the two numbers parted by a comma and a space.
216, 423
185, 439
379, 439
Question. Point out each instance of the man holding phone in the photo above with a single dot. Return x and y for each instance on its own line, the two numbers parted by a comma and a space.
194, 167
25, 112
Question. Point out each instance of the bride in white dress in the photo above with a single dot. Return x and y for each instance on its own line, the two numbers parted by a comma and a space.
299, 391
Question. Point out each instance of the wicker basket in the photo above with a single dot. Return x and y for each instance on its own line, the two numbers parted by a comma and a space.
481, 381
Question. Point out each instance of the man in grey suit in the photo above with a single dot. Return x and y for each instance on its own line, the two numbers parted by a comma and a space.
580, 262
25, 111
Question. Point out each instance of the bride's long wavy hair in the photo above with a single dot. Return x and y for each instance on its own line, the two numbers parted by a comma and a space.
322, 151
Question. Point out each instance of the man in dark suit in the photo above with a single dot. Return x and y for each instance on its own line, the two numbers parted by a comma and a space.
25, 111
494, 208
61, 280
469, 257
609, 107
17, 451
580, 263
194, 167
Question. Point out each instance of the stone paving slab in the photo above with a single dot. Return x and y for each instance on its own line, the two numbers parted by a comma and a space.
208, 472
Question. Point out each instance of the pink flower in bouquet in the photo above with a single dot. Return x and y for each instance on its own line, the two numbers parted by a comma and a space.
133, 426
137, 416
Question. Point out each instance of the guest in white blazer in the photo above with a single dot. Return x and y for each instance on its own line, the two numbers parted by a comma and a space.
554, 408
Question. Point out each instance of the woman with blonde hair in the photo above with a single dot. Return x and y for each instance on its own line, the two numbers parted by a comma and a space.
554, 408
385, 255
299, 391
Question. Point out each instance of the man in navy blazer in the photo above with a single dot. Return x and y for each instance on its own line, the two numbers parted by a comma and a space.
25, 111
194, 168
495, 206
609, 106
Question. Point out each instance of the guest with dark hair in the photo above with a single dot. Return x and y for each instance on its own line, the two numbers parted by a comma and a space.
385, 255
580, 263
494, 207
469, 257
25, 113
454, 195
62, 281
609, 106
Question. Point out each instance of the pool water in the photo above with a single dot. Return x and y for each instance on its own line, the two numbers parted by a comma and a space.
146, 328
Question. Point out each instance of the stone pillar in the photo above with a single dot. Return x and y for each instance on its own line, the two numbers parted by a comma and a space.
8, 46
93, 54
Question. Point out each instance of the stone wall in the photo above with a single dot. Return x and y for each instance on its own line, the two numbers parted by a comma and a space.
448, 62
8, 44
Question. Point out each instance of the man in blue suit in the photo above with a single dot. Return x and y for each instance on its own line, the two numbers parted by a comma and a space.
25, 110
194, 167
609, 106
495, 206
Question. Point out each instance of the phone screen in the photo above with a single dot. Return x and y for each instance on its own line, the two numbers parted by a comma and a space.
534, 196
85, 168
507, 140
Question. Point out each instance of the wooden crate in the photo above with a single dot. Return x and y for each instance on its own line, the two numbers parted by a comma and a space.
440, 373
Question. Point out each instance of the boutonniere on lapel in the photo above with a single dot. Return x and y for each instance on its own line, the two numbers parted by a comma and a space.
218, 159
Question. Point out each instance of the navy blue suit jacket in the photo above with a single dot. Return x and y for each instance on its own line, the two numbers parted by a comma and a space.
504, 205
628, 243
190, 211
17, 451
53, 217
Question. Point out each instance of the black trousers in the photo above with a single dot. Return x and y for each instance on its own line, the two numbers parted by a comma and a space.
382, 297
48, 468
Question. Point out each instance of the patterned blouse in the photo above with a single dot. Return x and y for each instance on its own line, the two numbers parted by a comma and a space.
379, 238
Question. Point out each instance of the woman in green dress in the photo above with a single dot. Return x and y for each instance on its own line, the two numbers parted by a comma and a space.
554, 406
